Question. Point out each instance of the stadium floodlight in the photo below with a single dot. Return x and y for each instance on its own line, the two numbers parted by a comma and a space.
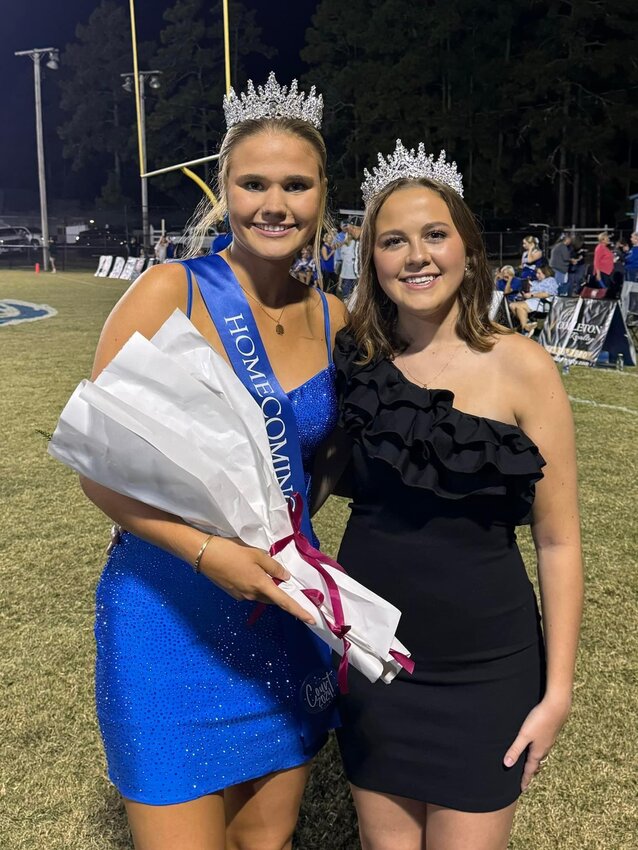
53, 61
154, 82
127, 85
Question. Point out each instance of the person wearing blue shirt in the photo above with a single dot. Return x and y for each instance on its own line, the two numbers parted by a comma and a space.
631, 260
545, 287
340, 238
508, 283
328, 251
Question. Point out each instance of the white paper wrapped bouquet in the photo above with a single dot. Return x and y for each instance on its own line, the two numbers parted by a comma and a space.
169, 423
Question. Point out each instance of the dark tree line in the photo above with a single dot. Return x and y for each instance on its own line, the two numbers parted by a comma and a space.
537, 100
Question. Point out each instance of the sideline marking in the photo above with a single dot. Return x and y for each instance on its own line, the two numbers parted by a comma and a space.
600, 404
99, 283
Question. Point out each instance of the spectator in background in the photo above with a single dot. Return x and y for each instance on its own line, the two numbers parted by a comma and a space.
170, 249
339, 240
578, 269
619, 251
349, 261
508, 283
532, 257
631, 259
304, 268
328, 251
161, 248
53, 249
560, 259
603, 261
545, 286
133, 247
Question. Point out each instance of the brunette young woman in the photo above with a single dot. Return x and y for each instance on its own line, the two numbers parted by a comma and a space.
206, 732
448, 458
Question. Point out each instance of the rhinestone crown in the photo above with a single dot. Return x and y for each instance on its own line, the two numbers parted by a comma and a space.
273, 101
408, 163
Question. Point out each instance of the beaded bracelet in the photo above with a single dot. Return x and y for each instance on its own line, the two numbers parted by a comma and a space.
201, 552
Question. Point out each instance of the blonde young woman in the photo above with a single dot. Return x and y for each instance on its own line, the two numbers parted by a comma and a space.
203, 718
448, 458
532, 256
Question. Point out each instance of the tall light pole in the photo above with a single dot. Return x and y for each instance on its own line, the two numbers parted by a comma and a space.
128, 85
53, 63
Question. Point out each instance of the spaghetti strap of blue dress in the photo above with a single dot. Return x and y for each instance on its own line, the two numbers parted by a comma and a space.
190, 698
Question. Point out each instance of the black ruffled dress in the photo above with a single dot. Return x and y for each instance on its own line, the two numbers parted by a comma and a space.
437, 496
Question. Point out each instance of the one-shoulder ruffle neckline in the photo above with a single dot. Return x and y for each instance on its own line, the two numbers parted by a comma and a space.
431, 444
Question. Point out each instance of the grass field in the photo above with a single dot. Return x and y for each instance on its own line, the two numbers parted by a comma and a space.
53, 791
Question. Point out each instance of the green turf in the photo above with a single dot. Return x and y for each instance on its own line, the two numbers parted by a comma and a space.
53, 790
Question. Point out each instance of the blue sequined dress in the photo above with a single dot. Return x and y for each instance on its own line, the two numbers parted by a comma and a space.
190, 699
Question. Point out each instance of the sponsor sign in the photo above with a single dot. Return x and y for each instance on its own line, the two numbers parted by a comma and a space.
578, 329
499, 311
104, 266
128, 272
118, 267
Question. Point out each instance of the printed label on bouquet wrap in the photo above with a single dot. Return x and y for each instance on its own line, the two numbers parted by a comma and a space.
319, 691
237, 329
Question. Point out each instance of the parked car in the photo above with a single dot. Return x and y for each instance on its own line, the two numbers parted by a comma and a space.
181, 238
101, 237
11, 239
32, 235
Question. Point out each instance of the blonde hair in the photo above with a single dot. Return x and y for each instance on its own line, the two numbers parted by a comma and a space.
602, 236
207, 215
374, 318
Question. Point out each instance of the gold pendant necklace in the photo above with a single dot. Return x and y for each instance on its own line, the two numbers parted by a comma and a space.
436, 375
279, 328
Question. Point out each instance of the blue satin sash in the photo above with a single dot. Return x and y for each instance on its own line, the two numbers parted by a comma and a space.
237, 329
230, 312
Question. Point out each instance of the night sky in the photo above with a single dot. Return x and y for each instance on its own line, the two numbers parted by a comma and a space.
28, 24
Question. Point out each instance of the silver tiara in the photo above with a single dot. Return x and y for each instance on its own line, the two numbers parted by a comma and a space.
273, 101
411, 164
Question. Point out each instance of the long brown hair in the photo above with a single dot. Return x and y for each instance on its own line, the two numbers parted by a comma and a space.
374, 317
207, 215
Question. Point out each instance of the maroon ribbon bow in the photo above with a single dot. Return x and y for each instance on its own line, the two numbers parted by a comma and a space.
317, 559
